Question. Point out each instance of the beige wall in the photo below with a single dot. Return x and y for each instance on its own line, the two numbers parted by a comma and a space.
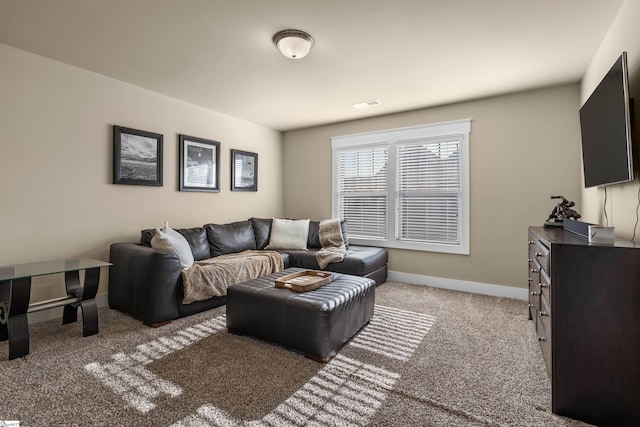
624, 35
57, 199
524, 147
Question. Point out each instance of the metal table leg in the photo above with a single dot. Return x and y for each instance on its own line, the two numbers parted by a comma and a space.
87, 302
5, 295
14, 325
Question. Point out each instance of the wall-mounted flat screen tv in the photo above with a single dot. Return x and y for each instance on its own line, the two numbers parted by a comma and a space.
605, 122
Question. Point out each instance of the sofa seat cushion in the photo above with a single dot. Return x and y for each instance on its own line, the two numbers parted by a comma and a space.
359, 261
286, 259
212, 277
230, 238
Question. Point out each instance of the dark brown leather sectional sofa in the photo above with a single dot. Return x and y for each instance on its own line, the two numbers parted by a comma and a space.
146, 283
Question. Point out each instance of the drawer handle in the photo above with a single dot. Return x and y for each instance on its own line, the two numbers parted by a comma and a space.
541, 339
530, 279
543, 313
531, 242
538, 254
533, 270
543, 285
530, 305
529, 260
533, 294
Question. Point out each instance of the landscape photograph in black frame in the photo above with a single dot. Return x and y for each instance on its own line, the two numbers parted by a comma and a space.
199, 164
137, 157
244, 171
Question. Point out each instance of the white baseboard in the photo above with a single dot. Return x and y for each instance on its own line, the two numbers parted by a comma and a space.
56, 313
460, 285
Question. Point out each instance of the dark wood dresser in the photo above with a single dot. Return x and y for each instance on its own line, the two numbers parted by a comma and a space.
584, 300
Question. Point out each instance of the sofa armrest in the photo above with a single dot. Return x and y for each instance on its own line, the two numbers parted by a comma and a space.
144, 282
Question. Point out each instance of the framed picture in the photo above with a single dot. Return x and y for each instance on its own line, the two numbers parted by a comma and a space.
137, 157
199, 164
244, 171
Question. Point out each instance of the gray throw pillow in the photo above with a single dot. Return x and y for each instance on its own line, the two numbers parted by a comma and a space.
288, 234
167, 239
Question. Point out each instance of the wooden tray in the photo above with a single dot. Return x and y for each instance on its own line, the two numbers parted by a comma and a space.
304, 281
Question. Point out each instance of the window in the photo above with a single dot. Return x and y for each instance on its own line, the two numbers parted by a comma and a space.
362, 186
405, 188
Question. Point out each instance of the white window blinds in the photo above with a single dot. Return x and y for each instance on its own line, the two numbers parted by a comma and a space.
428, 197
362, 185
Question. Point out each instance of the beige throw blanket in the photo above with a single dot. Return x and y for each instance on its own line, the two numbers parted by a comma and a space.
211, 277
332, 242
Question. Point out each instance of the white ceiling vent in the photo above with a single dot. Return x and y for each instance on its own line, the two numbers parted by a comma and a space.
366, 104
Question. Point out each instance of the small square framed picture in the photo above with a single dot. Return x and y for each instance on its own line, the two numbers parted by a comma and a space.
199, 164
137, 157
244, 171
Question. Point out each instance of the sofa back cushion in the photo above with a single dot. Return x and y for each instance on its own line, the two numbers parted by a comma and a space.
146, 235
230, 238
313, 241
262, 231
196, 237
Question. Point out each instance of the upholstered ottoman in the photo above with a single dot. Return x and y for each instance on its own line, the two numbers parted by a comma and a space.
316, 323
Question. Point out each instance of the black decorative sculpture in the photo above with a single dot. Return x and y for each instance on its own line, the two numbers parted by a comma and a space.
562, 211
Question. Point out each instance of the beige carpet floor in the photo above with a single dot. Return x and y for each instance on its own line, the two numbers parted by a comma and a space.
429, 357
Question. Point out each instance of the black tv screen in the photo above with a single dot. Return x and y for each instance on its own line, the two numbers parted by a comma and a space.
605, 122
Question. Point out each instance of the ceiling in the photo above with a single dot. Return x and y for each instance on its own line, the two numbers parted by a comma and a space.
407, 54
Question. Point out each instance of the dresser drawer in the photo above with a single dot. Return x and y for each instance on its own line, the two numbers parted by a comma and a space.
534, 287
534, 271
540, 253
543, 329
544, 285
534, 304
533, 277
544, 339
545, 315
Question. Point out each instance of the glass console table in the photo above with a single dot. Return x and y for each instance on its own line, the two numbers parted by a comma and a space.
15, 292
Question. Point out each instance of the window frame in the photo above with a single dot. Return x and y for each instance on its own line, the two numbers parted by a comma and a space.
391, 138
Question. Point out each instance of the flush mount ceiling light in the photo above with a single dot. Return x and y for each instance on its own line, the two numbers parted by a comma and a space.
294, 44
